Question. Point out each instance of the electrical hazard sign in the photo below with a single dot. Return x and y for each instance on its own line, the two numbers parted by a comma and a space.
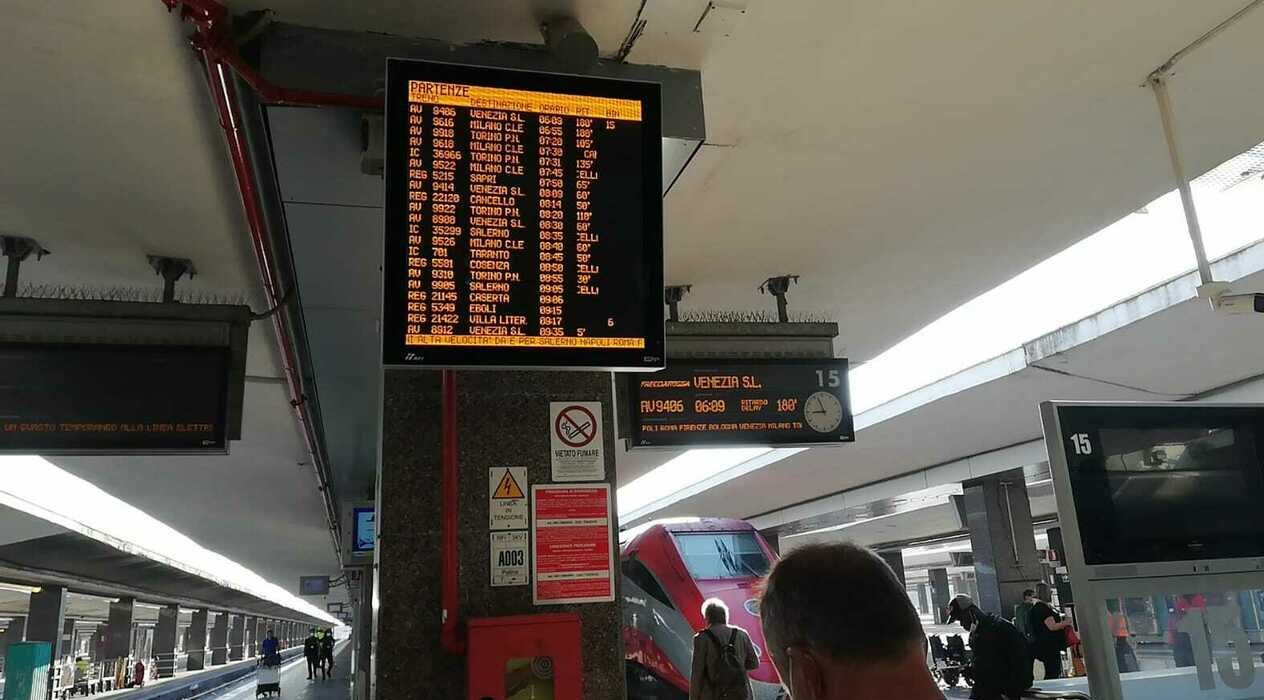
577, 453
509, 559
507, 498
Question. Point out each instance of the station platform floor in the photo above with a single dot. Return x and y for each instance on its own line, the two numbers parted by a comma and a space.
294, 683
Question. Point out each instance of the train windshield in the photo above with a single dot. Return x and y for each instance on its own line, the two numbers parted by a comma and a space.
721, 555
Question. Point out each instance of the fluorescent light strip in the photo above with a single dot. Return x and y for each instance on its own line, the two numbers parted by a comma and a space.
19, 588
49, 492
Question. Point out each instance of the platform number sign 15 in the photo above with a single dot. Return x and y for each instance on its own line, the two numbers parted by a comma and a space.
1213, 625
1081, 444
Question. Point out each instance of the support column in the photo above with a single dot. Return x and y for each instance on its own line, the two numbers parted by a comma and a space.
165, 640
98, 642
773, 540
118, 631
921, 599
46, 616
895, 559
67, 638
249, 640
236, 637
261, 633
998, 515
219, 640
362, 626
502, 418
939, 597
196, 648
16, 632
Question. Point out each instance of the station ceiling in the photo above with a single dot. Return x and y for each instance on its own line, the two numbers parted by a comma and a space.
901, 156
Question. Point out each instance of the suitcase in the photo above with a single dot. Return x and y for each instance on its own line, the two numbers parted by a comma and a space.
267, 681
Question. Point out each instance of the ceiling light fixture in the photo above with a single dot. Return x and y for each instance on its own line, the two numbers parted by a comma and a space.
19, 588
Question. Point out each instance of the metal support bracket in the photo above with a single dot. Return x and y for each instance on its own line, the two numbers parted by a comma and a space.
171, 269
672, 296
778, 287
17, 249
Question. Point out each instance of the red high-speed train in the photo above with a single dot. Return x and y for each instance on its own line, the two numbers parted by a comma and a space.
668, 571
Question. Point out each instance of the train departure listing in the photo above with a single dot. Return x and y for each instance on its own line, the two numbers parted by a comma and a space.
519, 227
722, 402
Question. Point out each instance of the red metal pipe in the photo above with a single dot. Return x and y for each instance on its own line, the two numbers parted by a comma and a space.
450, 575
224, 95
214, 39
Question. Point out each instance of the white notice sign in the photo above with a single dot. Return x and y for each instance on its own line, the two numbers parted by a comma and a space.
507, 498
575, 437
509, 558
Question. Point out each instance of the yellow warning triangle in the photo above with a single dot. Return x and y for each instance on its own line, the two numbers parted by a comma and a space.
508, 487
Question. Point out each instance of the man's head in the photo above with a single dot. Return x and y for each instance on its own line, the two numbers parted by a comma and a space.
962, 609
271, 634
715, 612
1029, 595
830, 613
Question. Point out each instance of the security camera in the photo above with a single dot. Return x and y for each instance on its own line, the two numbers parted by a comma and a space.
1239, 303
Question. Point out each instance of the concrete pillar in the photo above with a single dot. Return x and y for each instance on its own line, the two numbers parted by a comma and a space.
939, 597
118, 635
219, 640
67, 638
236, 637
921, 598
16, 632
361, 635
773, 540
998, 515
196, 648
165, 640
895, 559
502, 418
261, 633
250, 640
98, 642
46, 616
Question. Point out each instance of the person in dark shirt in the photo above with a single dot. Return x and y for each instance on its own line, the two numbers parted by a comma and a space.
271, 649
1048, 632
1001, 660
311, 652
327, 653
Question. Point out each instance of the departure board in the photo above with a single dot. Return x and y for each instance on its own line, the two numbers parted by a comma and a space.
731, 403
523, 220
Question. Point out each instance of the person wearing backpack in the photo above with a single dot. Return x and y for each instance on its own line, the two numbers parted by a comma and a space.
722, 655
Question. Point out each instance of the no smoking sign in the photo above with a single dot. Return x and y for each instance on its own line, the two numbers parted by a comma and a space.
577, 452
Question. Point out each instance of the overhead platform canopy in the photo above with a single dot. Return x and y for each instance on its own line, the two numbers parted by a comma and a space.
1162, 345
87, 565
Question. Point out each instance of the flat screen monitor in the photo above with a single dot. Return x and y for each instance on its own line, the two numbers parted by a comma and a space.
364, 529
524, 223
66, 398
1165, 483
313, 585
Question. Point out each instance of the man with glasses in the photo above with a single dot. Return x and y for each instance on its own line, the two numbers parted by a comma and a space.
839, 624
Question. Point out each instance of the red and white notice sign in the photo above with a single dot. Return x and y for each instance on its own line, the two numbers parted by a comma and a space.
572, 543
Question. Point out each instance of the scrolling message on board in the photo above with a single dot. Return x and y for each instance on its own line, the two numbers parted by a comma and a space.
712, 403
523, 220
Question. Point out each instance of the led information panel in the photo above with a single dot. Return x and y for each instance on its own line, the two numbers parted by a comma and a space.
721, 402
523, 219
112, 399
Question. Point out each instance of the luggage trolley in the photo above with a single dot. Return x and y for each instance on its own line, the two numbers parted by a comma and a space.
268, 677
950, 663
